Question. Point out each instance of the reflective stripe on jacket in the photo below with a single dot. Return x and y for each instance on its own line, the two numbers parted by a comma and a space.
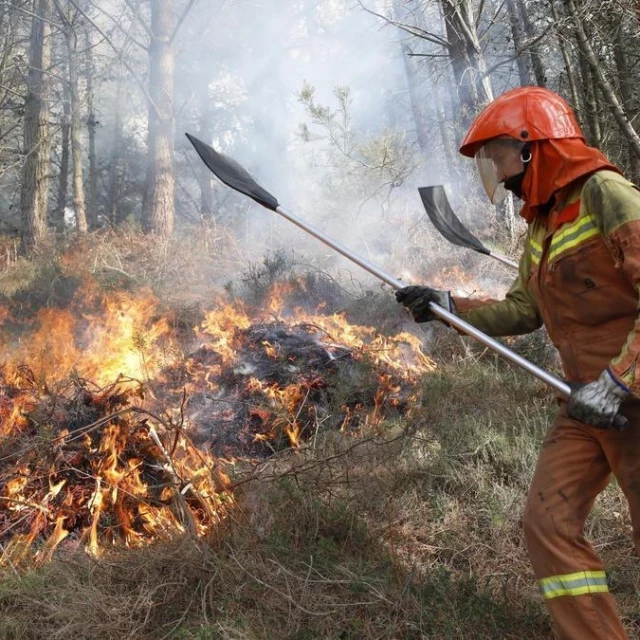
581, 280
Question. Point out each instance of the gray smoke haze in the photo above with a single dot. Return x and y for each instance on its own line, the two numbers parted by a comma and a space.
270, 51
240, 68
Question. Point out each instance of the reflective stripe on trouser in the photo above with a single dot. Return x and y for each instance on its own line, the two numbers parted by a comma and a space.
574, 584
574, 466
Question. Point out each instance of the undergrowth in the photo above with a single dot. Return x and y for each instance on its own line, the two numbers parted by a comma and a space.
411, 531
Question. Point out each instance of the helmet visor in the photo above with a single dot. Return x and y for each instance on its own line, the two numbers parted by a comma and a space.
498, 160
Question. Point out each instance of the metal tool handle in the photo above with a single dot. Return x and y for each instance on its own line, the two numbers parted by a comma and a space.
556, 383
236, 177
500, 258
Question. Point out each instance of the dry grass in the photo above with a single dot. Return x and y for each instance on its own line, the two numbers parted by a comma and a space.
413, 533
322, 548
190, 266
410, 534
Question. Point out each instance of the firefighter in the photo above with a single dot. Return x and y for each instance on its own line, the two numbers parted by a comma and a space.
579, 276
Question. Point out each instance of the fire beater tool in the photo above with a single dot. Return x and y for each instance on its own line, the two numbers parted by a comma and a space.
444, 219
236, 177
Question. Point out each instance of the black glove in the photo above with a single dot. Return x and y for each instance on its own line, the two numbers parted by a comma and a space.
597, 403
417, 300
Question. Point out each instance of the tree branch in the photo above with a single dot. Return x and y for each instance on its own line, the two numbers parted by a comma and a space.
494, 19
604, 84
182, 18
479, 15
528, 44
140, 19
127, 66
499, 64
31, 14
411, 54
12, 91
410, 29
469, 35
119, 26
69, 29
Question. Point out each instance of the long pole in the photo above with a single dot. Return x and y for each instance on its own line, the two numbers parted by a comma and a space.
553, 381
501, 258
236, 177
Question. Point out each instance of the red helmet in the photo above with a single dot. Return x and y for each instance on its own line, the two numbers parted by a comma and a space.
526, 114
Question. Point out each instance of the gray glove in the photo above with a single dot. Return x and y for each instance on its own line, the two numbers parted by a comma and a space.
597, 403
417, 300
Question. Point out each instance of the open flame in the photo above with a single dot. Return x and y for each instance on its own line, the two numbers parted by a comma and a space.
102, 407
98, 337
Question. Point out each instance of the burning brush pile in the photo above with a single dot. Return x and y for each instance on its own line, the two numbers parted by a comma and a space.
120, 422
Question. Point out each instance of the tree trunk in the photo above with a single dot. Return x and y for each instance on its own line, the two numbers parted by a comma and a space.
416, 101
535, 53
566, 58
37, 140
522, 58
451, 157
76, 146
116, 171
9, 39
63, 182
467, 60
159, 206
92, 195
204, 175
589, 100
627, 83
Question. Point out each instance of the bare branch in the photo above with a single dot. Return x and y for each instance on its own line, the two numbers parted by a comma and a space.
500, 63
117, 24
410, 29
470, 37
520, 50
12, 91
534, 41
182, 18
411, 54
31, 14
604, 84
491, 22
69, 29
139, 18
479, 15
127, 66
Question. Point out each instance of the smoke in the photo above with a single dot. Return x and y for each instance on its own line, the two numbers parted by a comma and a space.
260, 57
240, 69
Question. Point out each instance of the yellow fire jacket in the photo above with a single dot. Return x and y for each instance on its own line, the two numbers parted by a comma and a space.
581, 280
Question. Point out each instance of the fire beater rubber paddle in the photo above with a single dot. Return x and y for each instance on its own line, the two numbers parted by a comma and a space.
444, 219
234, 176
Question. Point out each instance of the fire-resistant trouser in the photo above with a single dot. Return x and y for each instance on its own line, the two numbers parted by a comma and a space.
574, 466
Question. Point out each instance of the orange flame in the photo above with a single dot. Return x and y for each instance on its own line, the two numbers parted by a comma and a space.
103, 492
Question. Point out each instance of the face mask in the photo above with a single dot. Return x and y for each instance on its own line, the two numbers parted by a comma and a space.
514, 184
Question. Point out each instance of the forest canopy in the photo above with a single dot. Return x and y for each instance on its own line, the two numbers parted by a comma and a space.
95, 98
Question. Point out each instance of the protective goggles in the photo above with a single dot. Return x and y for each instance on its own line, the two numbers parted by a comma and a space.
497, 160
